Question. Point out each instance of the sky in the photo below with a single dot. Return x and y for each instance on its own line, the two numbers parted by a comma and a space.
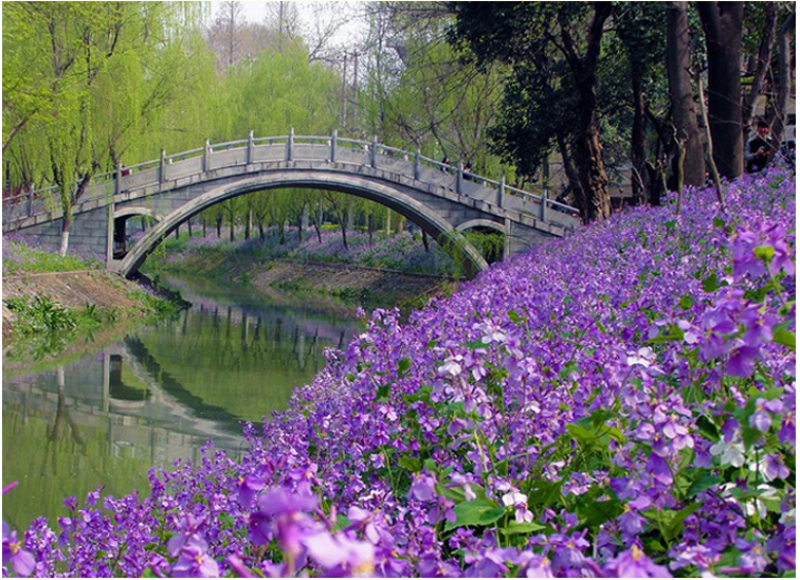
256, 11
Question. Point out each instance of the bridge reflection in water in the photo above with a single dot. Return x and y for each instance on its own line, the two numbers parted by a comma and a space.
155, 398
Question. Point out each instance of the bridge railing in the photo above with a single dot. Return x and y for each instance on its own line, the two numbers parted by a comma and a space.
291, 147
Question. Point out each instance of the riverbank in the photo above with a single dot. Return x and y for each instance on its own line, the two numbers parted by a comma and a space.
49, 300
352, 283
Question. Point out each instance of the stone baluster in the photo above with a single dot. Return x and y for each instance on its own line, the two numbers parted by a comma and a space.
290, 145
460, 176
334, 138
501, 190
207, 156
118, 180
162, 167
374, 158
417, 160
251, 148
545, 188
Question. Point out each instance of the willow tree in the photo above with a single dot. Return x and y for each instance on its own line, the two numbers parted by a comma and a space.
100, 73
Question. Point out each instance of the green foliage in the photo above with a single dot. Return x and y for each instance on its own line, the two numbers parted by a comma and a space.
20, 258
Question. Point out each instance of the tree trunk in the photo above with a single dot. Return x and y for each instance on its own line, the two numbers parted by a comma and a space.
205, 224
189, 225
762, 64
425, 241
300, 229
247, 224
638, 142
178, 233
684, 112
572, 176
219, 227
592, 170
343, 224
783, 80
260, 229
370, 227
722, 24
233, 228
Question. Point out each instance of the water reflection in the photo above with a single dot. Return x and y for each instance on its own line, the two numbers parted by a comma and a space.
157, 396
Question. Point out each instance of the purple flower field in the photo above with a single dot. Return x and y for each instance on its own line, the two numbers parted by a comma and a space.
620, 403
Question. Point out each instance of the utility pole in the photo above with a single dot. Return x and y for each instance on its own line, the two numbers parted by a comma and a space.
344, 91
355, 88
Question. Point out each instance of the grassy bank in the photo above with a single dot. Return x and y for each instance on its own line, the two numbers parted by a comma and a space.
50, 301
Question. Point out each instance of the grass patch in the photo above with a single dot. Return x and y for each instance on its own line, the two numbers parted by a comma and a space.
19, 259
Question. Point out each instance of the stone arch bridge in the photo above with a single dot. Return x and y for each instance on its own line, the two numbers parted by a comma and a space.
441, 199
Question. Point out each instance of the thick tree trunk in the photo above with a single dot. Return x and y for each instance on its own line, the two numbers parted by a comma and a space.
638, 142
684, 112
588, 148
722, 24
762, 64
425, 241
189, 226
233, 229
219, 226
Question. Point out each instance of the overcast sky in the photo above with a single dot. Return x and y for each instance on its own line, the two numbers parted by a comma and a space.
256, 11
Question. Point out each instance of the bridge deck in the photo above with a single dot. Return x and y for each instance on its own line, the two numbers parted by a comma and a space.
347, 155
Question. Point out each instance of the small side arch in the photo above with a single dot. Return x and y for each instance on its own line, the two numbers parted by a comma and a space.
137, 210
482, 223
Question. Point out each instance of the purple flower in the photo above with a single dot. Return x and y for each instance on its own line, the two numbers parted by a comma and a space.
761, 419
249, 486
340, 555
195, 563
423, 487
773, 467
14, 556
634, 563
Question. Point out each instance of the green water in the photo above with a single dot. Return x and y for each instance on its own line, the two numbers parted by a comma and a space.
159, 394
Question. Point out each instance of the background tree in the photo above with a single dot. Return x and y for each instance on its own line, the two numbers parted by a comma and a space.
722, 24
684, 110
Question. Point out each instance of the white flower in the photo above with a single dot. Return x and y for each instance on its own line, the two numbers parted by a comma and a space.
491, 333
643, 357
451, 366
732, 453
515, 498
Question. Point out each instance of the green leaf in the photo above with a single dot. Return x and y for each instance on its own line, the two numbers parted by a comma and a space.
523, 528
412, 464
764, 253
402, 367
341, 522
478, 512
750, 436
719, 223
702, 484
711, 283
475, 344
383, 392
676, 523
708, 428
784, 337
686, 302
430, 465
595, 513
514, 317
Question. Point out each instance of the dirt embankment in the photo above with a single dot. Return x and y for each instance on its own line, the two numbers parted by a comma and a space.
371, 286
71, 289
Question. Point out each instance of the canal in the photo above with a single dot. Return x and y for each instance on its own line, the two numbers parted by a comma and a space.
159, 394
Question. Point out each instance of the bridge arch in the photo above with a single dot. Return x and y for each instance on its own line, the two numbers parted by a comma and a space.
137, 210
385, 193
